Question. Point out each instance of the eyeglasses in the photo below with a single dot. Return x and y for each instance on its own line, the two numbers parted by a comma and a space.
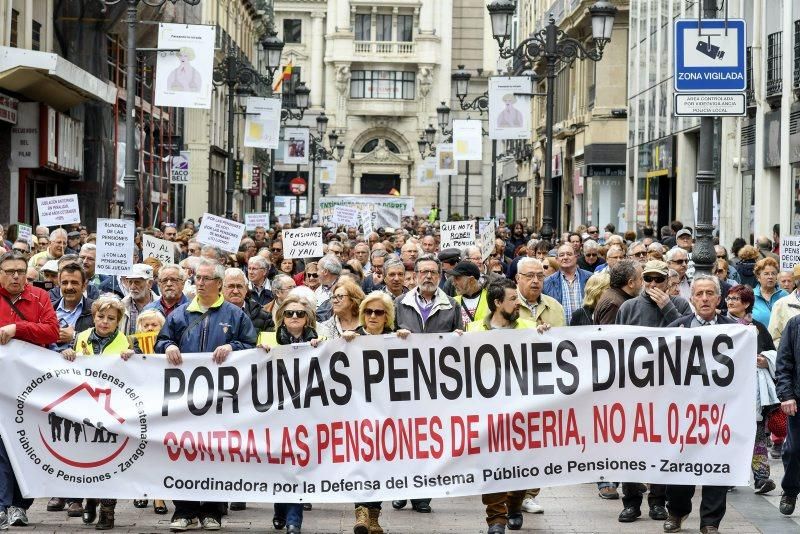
299, 314
680, 262
531, 276
312, 275
277, 250
428, 272
656, 279
641, 254
733, 299
337, 298
15, 272
590, 255
376, 313
256, 268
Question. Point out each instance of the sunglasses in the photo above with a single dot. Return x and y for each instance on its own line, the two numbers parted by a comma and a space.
656, 279
277, 250
376, 313
640, 254
299, 314
312, 275
680, 262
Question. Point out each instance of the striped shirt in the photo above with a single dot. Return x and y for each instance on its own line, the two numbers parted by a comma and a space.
571, 295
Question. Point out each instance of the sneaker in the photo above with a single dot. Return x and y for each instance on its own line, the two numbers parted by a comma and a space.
179, 525
764, 486
787, 504
17, 516
3, 521
609, 492
209, 523
531, 506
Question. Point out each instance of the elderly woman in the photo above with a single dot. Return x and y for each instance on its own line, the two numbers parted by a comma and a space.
721, 270
234, 290
310, 277
346, 297
281, 286
595, 286
105, 339
767, 292
590, 260
296, 322
740, 303
288, 267
375, 317
550, 265
748, 255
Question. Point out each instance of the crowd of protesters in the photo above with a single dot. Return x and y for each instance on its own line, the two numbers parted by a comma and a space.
399, 280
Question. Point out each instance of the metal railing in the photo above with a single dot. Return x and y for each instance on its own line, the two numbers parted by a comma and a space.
395, 48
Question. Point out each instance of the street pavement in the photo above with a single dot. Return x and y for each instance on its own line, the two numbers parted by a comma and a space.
574, 509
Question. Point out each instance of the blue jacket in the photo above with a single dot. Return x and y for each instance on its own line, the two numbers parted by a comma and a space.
225, 324
552, 284
762, 309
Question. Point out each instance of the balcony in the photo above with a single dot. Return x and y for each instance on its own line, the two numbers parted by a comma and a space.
400, 49
371, 107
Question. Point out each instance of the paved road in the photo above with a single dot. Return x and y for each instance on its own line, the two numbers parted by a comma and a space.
575, 509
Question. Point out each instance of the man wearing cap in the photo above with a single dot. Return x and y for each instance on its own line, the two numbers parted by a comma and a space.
448, 257
138, 281
73, 242
50, 271
653, 308
471, 299
785, 308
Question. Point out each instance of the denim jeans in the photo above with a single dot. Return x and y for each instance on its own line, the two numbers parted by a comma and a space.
291, 512
9, 489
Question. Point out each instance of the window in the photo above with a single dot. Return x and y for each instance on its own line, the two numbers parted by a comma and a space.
14, 28
774, 56
405, 28
292, 30
751, 101
363, 27
796, 55
36, 36
382, 84
383, 28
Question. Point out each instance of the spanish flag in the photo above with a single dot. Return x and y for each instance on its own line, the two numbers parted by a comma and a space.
287, 75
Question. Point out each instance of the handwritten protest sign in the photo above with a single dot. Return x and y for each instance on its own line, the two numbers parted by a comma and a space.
221, 233
366, 222
161, 249
486, 239
251, 220
790, 252
24, 232
458, 234
302, 243
55, 211
345, 215
114, 246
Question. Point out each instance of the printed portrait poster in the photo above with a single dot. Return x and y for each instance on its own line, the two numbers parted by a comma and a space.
445, 160
509, 108
295, 146
467, 140
262, 125
426, 172
184, 78
327, 171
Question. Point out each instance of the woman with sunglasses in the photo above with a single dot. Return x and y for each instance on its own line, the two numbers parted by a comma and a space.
309, 277
740, 305
296, 322
346, 297
376, 317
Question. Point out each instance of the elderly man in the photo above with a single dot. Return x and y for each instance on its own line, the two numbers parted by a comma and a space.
260, 237
25, 314
73, 243
566, 285
329, 268
448, 258
336, 249
282, 285
534, 305
785, 308
213, 253
375, 280
471, 294
171, 279
409, 253
55, 249
361, 253
138, 281
626, 283
683, 239
590, 260
234, 290
88, 257
207, 324
259, 285
638, 251
395, 273
705, 295
170, 232
428, 243
765, 248
678, 259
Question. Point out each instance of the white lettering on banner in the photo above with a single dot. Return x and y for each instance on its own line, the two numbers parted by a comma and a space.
342, 215
302, 243
161, 249
114, 246
221, 233
790, 252
486, 239
382, 418
457, 234
252, 220
56, 211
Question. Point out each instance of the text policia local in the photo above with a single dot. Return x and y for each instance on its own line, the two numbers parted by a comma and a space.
442, 372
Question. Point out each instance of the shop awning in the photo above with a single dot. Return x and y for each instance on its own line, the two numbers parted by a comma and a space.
50, 79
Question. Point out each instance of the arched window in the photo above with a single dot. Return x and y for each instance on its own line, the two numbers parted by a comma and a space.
373, 144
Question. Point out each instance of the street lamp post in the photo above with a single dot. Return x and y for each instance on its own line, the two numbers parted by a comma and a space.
319, 153
235, 73
553, 46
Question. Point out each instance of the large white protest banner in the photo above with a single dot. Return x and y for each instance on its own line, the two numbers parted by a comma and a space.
114, 246
395, 208
55, 211
510, 107
790, 252
486, 239
457, 234
467, 140
252, 220
380, 418
262, 125
183, 78
345, 215
221, 233
302, 243
161, 249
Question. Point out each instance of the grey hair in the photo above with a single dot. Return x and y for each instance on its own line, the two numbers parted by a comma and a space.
622, 272
259, 261
88, 246
427, 257
378, 253
673, 251
233, 272
633, 246
58, 232
175, 266
672, 272
655, 247
528, 261
219, 270
532, 243
707, 278
590, 244
280, 280
330, 263
192, 262
391, 263
470, 249
217, 252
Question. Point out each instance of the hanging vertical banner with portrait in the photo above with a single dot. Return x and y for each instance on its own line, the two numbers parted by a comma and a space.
295, 146
327, 171
262, 125
445, 160
183, 75
510, 107
467, 140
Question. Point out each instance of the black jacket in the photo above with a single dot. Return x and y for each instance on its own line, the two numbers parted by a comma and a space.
787, 367
686, 321
261, 319
582, 317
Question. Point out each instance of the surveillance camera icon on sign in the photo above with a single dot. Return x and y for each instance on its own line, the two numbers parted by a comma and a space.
710, 50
